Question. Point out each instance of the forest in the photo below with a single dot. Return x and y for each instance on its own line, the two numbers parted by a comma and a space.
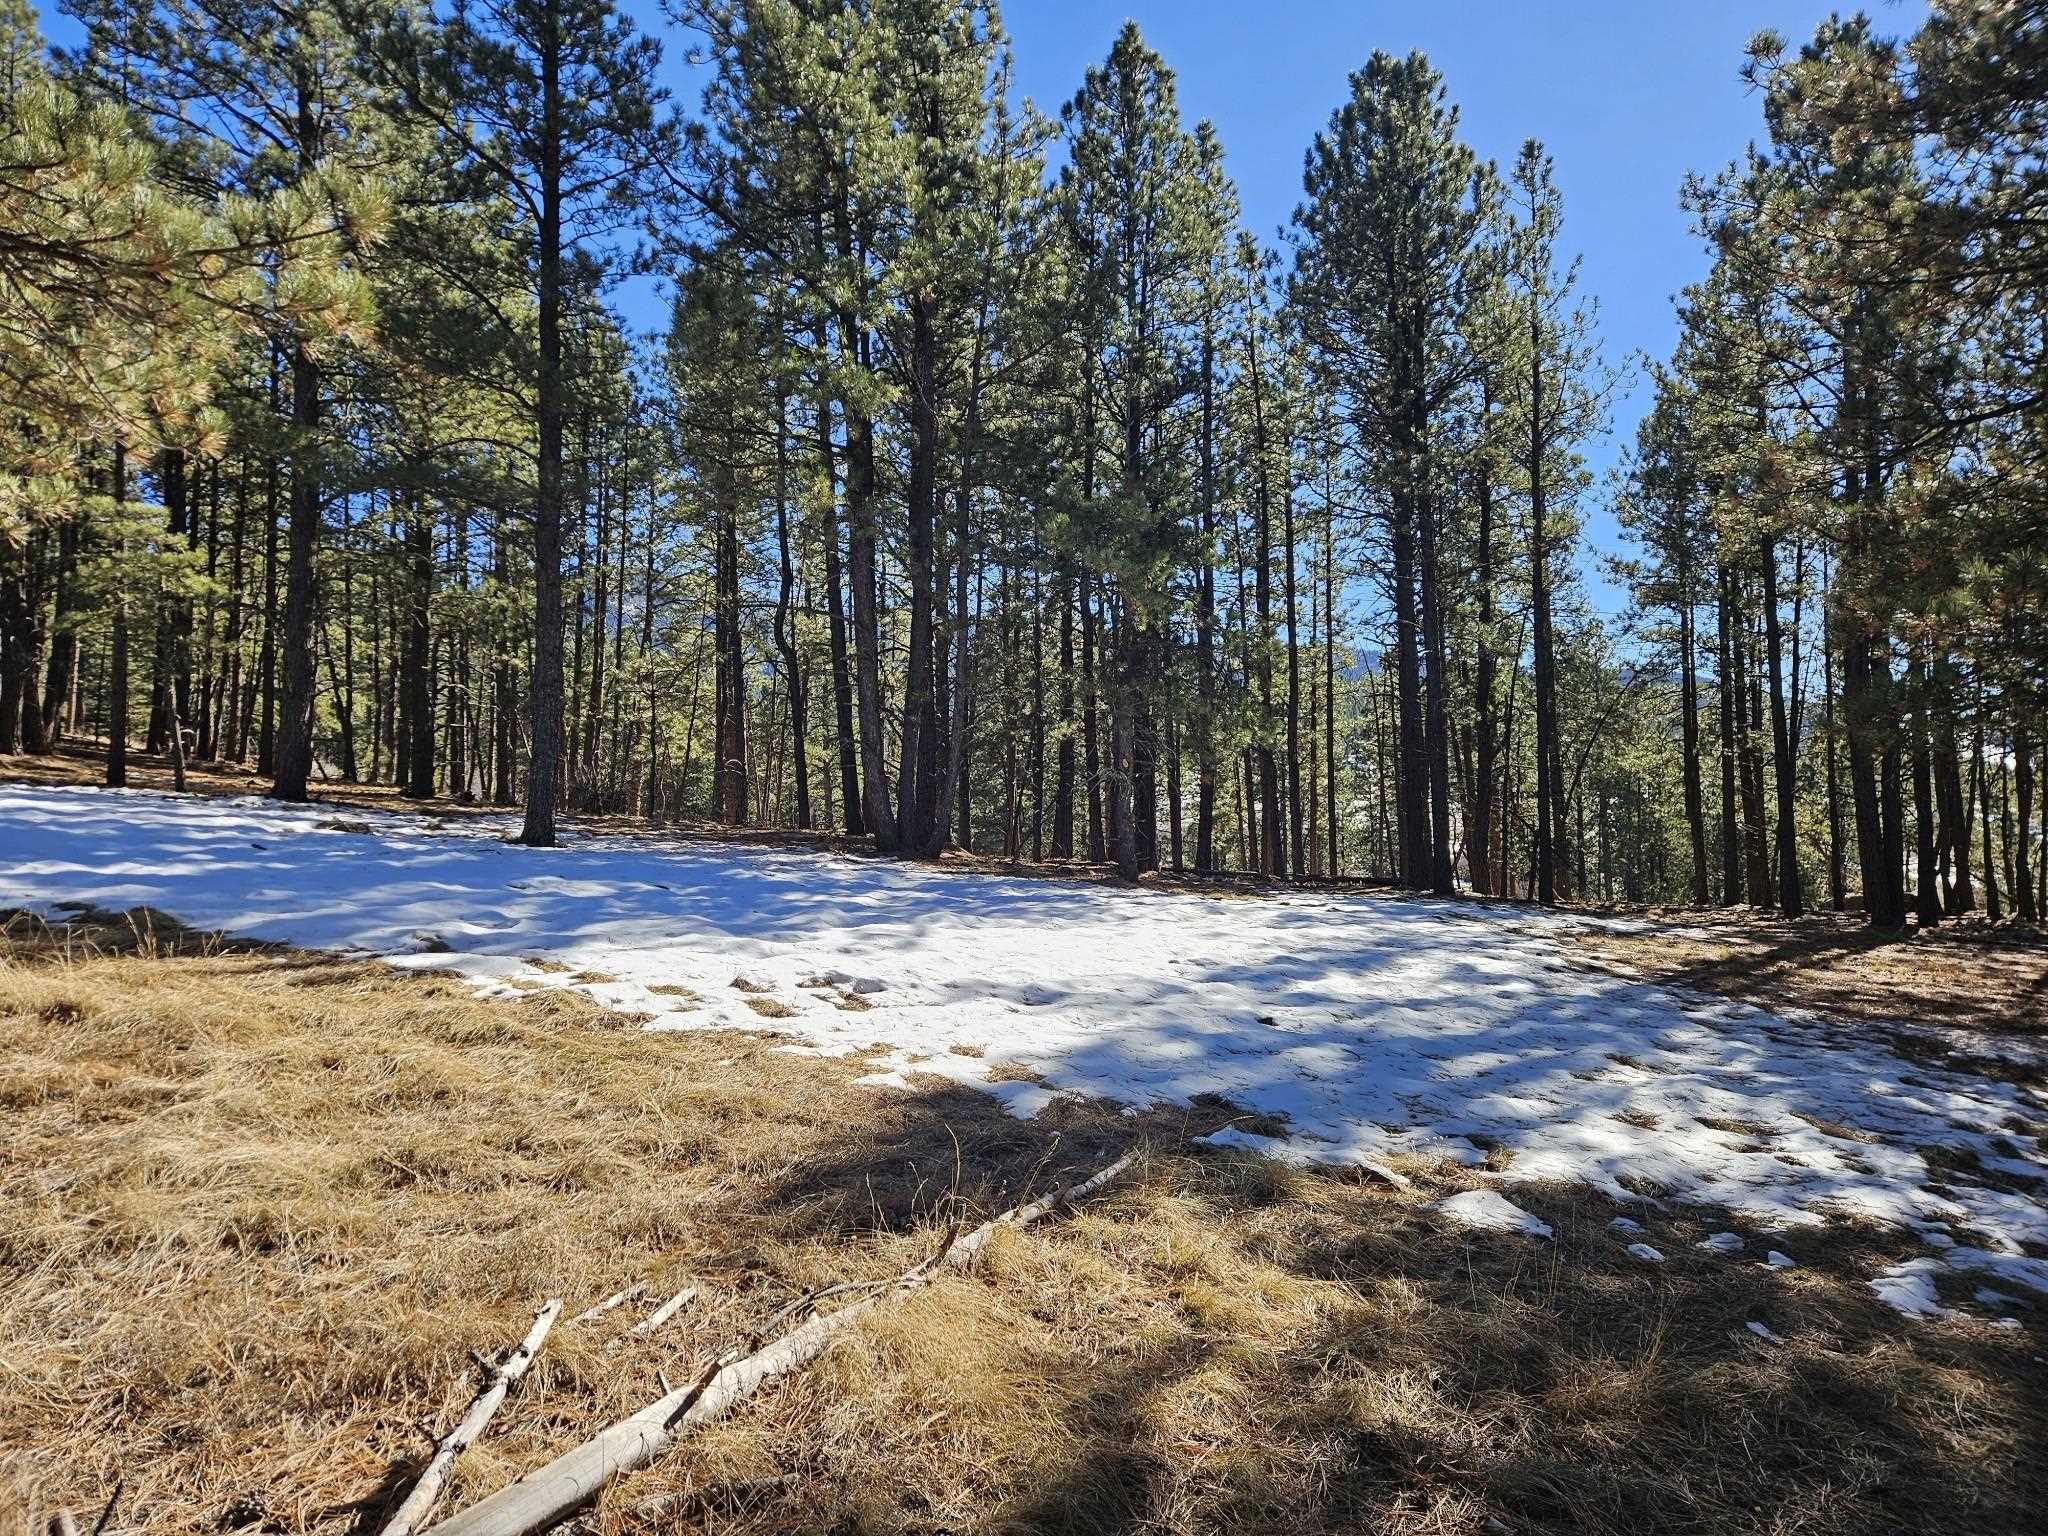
992, 487
750, 785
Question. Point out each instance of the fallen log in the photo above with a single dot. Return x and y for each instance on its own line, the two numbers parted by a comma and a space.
412, 1514
554, 1492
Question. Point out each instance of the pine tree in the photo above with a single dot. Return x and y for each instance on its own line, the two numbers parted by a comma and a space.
551, 102
1387, 258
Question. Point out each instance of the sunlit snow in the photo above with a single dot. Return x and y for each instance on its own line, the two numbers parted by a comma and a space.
1368, 1026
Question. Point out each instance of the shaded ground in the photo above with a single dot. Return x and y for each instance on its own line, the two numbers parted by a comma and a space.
85, 763
1972, 978
257, 1206
77, 762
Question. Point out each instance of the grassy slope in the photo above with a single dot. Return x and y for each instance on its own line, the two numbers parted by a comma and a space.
256, 1209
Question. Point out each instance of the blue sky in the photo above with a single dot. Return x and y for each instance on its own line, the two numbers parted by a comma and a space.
1628, 96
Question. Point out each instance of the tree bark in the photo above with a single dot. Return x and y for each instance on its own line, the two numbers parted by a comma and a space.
1790, 901
544, 687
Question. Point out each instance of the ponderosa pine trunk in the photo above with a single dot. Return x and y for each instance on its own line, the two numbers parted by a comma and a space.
1790, 901
1547, 788
418, 756
1299, 848
785, 621
544, 688
117, 685
1727, 689
1926, 889
2023, 793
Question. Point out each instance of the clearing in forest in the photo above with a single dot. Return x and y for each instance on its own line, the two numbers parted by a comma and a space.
260, 1207
1343, 1030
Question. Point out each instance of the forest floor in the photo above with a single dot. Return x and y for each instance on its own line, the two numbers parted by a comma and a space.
261, 1196
257, 1207
1970, 976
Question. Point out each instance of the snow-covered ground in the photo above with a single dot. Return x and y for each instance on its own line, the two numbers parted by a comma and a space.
1372, 1026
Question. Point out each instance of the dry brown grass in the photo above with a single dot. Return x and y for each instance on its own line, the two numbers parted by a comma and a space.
1969, 975
257, 1207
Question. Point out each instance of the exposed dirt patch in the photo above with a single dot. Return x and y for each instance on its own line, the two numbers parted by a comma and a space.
1966, 976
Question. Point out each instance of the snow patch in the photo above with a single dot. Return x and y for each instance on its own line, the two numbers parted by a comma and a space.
1909, 1288
1373, 1028
1490, 1211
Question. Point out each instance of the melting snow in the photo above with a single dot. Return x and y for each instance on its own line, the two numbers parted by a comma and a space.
1909, 1288
1369, 1026
1646, 1253
1491, 1211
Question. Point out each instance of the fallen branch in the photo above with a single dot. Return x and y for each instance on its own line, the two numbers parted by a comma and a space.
663, 1313
412, 1514
571, 1480
617, 1298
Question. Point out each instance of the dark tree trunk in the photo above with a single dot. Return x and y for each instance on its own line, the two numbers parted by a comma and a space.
785, 622
1299, 845
1926, 891
294, 743
117, 687
1063, 783
1412, 774
61, 679
880, 817
729, 794
1436, 729
916, 809
1790, 900
1993, 909
418, 683
1728, 690
544, 687
1485, 724
1838, 885
1548, 789
1205, 620
1689, 705
1090, 727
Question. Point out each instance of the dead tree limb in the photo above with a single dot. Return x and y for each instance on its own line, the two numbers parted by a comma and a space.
617, 1298
412, 1514
663, 1313
557, 1490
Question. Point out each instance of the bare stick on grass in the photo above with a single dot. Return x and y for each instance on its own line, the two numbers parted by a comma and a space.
557, 1490
617, 1298
663, 1313
412, 1514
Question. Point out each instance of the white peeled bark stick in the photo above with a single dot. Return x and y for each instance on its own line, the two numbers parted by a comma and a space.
663, 1313
617, 1298
412, 1514
557, 1490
